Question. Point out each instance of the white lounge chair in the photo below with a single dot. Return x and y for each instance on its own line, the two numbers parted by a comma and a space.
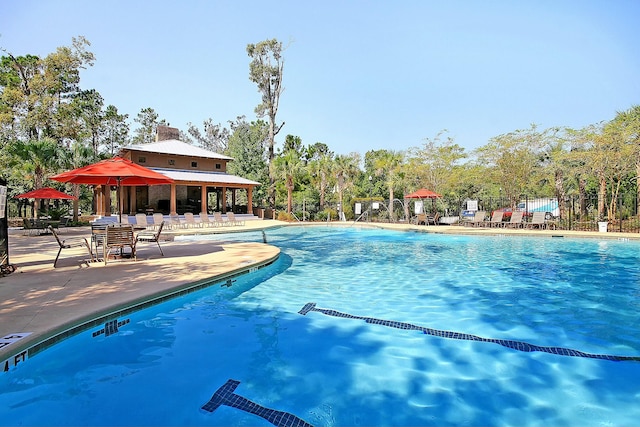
217, 216
204, 220
478, 218
190, 220
231, 217
496, 219
538, 220
141, 220
516, 220
158, 219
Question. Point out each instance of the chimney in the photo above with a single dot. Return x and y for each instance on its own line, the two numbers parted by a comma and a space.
165, 132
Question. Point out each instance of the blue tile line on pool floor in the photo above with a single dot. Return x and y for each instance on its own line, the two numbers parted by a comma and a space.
225, 396
516, 345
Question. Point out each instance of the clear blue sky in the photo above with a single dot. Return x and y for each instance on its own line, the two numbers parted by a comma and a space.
359, 75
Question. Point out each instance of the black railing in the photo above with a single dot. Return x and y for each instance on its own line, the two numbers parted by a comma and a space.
573, 213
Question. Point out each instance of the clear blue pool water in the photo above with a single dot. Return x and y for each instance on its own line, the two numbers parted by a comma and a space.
162, 366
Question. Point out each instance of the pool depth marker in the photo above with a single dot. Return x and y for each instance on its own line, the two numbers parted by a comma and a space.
225, 396
516, 345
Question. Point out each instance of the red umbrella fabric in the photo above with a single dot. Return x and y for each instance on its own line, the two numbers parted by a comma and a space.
45, 193
423, 193
116, 171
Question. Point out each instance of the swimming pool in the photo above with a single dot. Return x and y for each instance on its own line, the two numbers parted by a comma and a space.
389, 341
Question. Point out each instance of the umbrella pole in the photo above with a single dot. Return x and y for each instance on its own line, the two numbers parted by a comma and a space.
119, 201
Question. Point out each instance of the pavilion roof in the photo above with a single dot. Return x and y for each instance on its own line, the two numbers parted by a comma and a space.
177, 148
204, 176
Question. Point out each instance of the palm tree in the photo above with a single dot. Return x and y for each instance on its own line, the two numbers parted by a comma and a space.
346, 168
288, 167
320, 171
79, 155
389, 165
37, 158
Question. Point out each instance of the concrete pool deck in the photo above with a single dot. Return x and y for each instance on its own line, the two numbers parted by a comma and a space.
51, 302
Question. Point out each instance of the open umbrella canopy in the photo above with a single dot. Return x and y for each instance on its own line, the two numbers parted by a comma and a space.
45, 193
423, 193
115, 171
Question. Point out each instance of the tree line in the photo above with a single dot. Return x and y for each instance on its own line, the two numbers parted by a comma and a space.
49, 123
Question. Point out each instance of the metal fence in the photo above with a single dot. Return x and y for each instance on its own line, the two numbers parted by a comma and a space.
573, 213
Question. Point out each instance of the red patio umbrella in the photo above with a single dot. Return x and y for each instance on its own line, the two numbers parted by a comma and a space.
423, 193
115, 171
45, 193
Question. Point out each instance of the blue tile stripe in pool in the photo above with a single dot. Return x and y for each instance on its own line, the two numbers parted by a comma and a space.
225, 396
516, 345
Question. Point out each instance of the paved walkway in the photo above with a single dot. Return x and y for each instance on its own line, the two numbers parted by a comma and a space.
46, 302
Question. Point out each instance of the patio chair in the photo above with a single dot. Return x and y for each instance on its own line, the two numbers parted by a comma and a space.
64, 223
516, 220
141, 220
538, 220
496, 219
28, 227
433, 219
151, 237
231, 217
420, 219
124, 219
98, 230
70, 243
118, 236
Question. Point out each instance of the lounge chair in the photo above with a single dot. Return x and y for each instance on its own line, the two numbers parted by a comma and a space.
118, 236
538, 220
496, 219
151, 237
141, 220
174, 222
204, 220
478, 218
70, 243
158, 219
231, 217
516, 220
217, 216
190, 220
